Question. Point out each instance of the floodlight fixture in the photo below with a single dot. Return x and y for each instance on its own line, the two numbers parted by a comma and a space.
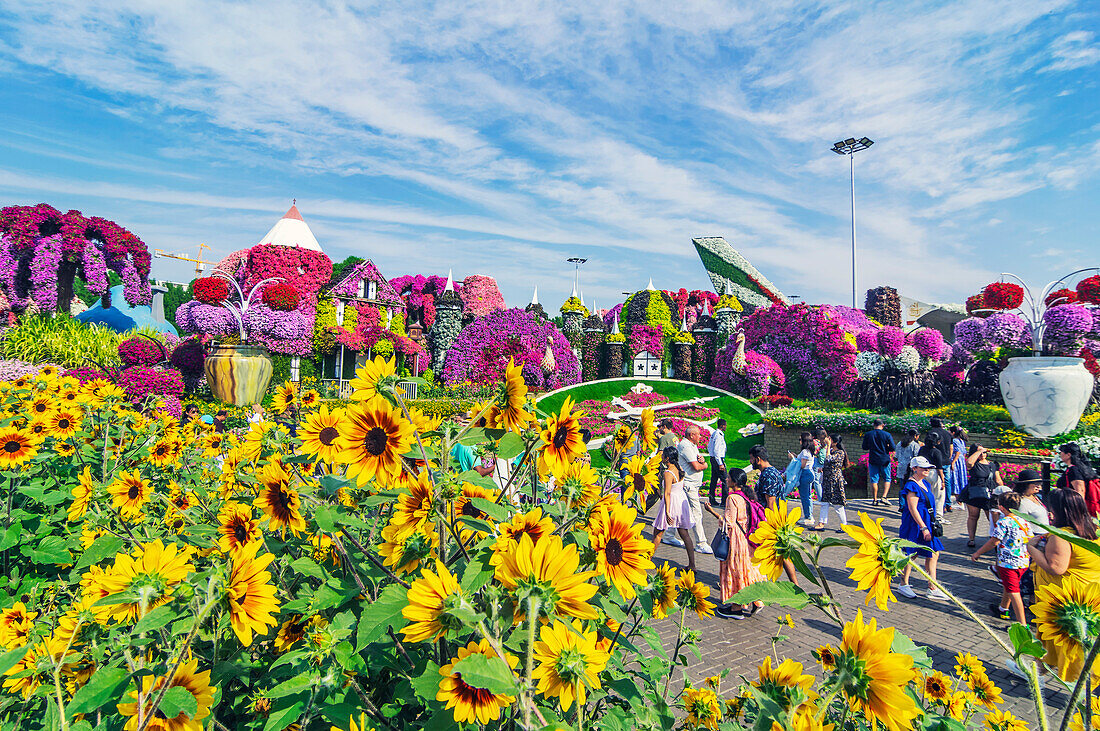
850, 147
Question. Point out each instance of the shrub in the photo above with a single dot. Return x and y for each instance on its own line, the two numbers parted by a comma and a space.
140, 351
210, 290
62, 340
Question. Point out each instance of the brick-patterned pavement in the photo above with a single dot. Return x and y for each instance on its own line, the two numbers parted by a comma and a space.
938, 625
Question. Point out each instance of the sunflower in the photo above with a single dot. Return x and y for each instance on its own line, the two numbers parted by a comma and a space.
622, 555
32, 677
237, 528
1066, 616
151, 572
130, 493
16, 447
413, 508
775, 538
470, 703
360, 723
310, 399
624, 439
937, 686
702, 707
985, 690
82, 495
251, 594
40, 407
483, 414
1004, 721
512, 398
662, 590
88, 534
562, 443
966, 665
38, 428
569, 661
1077, 723
647, 432
875, 679
550, 572
374, 439
371, 378
404, 551
16, 624
320, 434
579, 484
291, 631
63, 423
825, 656
805, 718
958, 705
877, 561
785, 684
531, 523
285, 398
47, 372
423, 422
189, 678
278, 501
641, 475
464, 508
693, 595
64, 449
212, 444
165, 452
432, 599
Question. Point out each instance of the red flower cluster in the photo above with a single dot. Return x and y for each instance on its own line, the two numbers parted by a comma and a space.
775, 399
1088, 289
1061, 297
975, 306
1091, 364
210, 290
281, 297
307, 271
1003, 296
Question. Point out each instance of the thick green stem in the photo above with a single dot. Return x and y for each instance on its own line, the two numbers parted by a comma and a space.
1031, 668
1080, 688
676, 652
580, 705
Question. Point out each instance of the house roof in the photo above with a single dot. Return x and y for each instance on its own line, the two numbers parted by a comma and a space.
292, 230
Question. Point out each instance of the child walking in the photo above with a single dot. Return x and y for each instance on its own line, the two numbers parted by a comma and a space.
1010, 537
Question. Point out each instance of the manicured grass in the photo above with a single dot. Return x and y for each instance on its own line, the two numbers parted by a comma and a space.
736, 412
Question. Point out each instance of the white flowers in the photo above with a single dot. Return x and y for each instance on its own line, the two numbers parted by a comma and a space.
869, 364
908, 360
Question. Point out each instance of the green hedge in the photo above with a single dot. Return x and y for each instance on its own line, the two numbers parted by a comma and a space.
835, 416
442, 407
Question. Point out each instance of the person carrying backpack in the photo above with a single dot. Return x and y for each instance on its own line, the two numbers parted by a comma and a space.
739, 520
1080, 476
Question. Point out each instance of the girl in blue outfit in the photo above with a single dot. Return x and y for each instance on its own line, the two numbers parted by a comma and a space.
917, 511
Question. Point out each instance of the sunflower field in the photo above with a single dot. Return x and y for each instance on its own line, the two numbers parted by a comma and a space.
339, 569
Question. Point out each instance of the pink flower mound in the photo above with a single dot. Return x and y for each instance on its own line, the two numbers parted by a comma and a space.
481, 351
644, 400
480, 296
419, 294
646, 338
867, 340
140, 351
366, 270
172, 406
929, 343
762, 375
890, 341
83, 374
141, 381
305, 270
808, 343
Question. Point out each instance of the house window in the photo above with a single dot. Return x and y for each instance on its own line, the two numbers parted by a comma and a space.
362, 288
339, 312
372, 290
295, 368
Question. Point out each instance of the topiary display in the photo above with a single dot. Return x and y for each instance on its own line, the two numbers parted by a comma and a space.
1003, 295
982, 383
896, 388
1088, 289
884, 306
210, 290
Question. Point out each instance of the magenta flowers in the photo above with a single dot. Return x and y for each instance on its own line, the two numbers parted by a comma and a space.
481, 352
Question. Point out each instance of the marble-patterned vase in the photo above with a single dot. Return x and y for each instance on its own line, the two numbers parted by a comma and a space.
238, 374
1046, 396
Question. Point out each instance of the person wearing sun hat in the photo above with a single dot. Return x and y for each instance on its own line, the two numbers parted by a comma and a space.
918, 510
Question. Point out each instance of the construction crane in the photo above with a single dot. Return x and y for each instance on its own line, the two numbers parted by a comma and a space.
200, 263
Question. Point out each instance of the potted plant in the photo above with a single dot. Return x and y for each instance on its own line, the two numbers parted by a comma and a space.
1047, 392
238, 373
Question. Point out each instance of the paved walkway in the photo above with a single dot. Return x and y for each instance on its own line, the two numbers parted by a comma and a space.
938, 625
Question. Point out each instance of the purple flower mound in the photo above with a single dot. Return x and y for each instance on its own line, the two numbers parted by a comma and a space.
172, 406
141, 381
196, 317
929, 343
1066, 326
867, 340
890, 341
951, 371
1005, 329
139, 351
970, 334
481, 351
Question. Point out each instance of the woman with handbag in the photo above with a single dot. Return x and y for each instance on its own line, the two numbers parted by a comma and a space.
736, 571
920, 525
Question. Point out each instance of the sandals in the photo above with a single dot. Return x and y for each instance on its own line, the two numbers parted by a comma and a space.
820, 527
970, 544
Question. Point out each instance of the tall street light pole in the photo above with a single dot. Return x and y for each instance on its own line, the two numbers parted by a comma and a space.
576, 261
850, 147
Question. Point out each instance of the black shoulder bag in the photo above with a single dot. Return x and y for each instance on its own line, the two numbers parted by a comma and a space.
936, 528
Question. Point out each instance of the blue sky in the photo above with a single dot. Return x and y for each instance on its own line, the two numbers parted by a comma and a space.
502, 138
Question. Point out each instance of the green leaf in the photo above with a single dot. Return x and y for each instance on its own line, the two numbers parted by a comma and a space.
427, 684
496, 511
489, 673
100, 549
478, 525
177, 700
50, 550
331, 483
903, 645
298, 684
380, 616
309, 567
11, 536
325, 516
474, 478
123, 597
510, 446
1024, 643
474, 437
154, 620
103, 686
830, 542
10, 658
478, 572
773, 593
800, 564
278, 720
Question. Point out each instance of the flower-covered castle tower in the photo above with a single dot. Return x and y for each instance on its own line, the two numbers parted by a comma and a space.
727, 313
573, 313
447, 325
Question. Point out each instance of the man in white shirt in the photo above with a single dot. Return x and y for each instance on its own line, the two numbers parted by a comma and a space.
716, 450
693, 466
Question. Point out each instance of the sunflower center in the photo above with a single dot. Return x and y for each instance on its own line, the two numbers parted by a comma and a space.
561, 436
12, 446
614, 552
470, 511
40, 408
134, 490
639, 483
282, 498
376, 440
62, 423
240, 533
328, 435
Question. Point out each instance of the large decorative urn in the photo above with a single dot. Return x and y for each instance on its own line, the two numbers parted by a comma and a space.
1046, 396
238, 374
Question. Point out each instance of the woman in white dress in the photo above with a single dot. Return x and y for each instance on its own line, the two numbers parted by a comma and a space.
673, 510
